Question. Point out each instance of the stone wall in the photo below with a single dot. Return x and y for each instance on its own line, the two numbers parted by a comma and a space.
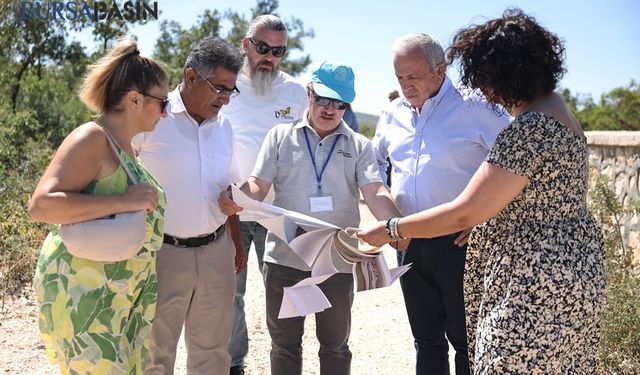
616, 154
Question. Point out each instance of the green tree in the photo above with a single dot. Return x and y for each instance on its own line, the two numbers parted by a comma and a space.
618, 109
37, 42
572, 101
174, 42
108, 29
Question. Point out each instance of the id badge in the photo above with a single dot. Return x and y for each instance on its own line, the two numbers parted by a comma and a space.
319, 204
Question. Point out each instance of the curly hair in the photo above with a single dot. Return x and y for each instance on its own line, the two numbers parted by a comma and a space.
510, 59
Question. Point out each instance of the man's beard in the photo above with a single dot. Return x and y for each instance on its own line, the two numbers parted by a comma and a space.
261, 80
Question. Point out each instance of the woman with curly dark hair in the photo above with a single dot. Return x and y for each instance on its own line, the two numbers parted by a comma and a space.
535, 279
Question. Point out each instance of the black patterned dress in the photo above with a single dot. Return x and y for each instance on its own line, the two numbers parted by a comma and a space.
535, 279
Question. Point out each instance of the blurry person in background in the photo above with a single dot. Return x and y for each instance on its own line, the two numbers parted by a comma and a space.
350, 118
393, 95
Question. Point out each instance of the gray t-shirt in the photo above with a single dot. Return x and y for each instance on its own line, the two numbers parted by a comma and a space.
285, 162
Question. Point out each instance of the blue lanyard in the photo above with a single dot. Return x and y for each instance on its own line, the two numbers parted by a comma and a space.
313, 159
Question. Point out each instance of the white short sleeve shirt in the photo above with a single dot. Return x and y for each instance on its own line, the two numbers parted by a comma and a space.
252, 116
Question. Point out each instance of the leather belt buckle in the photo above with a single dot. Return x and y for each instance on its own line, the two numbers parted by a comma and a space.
174, 240
193, 241
218, 232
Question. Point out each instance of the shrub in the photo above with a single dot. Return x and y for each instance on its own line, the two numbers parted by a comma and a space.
620, 344
21, 238
367, 130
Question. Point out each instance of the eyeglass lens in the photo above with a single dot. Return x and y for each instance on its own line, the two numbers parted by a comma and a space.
263, 48
225, 91
218, 89
163, 101
337, 104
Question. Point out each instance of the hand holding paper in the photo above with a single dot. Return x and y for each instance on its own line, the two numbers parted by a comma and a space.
314, 247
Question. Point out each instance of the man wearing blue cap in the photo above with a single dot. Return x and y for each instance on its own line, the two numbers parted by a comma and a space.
318, 167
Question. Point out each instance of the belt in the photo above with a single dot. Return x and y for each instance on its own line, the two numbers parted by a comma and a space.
193, 241
452, 235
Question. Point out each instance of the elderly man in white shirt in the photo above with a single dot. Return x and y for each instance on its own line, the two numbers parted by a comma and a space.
191, 153
435, 136
269, 97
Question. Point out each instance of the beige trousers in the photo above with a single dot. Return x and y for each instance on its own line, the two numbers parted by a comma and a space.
196, 287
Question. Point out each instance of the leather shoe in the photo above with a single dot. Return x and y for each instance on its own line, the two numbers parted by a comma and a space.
237, 370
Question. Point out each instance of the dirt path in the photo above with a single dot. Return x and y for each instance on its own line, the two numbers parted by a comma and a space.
380, 340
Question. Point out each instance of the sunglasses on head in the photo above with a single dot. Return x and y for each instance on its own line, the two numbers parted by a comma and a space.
263, 48
324, 102
163, 101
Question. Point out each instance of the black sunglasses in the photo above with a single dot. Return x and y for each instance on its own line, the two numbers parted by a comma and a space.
324, 102
163, 101
219, 89
263, 48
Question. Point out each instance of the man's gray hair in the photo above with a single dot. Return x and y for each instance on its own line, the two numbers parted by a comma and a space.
211, 53
270, 21
431, 47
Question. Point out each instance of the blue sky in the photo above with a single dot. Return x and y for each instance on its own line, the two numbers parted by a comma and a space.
602, 38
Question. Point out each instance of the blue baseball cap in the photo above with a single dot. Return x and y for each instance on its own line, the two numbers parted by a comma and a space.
335, 81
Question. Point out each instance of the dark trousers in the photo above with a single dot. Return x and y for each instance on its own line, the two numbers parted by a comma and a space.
333, 325
434, 299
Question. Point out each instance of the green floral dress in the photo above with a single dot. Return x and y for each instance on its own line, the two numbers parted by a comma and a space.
95, 317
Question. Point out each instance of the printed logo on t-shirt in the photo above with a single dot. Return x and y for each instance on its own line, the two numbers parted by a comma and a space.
345, 154
284, 113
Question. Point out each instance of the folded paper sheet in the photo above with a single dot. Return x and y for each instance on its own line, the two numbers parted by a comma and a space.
313, 244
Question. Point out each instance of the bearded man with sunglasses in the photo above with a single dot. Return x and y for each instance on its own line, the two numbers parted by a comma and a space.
318, 166
191, 153
269, 97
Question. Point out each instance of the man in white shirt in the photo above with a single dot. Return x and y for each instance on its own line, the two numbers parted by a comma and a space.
269, 97
435, 137
191, 153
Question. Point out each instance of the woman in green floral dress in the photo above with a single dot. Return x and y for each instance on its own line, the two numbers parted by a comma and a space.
95, 317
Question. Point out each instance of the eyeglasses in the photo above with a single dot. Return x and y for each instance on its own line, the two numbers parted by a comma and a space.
263, 48
324, 102
163, 101
219, 89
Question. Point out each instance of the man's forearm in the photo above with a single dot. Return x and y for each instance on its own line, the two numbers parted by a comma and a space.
255, 188
382, 207
233, 227
379, 201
